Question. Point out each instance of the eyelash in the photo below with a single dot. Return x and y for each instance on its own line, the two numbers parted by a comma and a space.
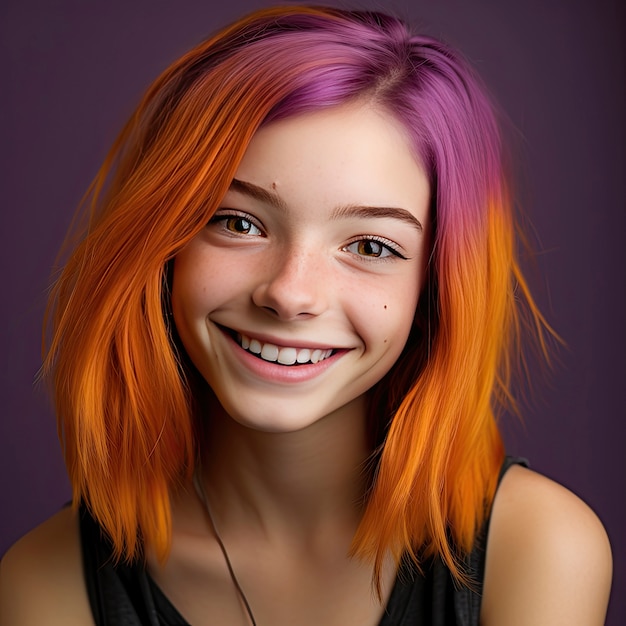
386, 244
235, 215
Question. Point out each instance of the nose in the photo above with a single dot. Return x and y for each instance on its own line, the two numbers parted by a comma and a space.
293, 286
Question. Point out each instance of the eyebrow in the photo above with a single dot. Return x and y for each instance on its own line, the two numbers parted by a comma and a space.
351, 210
258, 193
358, 210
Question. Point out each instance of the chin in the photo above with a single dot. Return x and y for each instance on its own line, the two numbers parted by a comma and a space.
290, 417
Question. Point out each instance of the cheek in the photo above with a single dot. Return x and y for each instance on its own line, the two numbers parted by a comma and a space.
200, 280
195, 287
397, 323
384, 317
188, 288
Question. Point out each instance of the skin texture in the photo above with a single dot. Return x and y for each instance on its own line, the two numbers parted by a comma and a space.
284, 452
548, 558
548, 561
297, 277
41, 578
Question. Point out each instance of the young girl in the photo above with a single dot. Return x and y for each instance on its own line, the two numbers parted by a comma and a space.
279, 352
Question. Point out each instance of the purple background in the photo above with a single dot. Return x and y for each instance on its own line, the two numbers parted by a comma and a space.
71, 74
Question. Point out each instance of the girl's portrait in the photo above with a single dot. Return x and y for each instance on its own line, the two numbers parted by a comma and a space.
299, 321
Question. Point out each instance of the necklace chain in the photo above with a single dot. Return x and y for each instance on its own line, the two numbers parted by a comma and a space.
199, 486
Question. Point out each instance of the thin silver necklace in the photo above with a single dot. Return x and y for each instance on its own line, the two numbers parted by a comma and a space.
199, 486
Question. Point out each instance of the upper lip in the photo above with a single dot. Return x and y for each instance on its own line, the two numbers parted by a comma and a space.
281, 343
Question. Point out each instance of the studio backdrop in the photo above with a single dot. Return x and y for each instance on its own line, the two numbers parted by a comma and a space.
73, 71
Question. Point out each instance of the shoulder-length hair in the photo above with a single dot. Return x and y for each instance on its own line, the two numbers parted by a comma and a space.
123, 396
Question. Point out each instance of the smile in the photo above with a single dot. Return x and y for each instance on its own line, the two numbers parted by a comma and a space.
285, 355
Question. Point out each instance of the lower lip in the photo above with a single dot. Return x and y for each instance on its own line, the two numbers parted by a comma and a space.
275, 372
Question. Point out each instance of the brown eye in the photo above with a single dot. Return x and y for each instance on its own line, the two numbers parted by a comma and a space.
374, 248
371, 249
236, 225
367, 247
241, 226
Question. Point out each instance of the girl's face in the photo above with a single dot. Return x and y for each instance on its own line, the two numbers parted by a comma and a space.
299, 294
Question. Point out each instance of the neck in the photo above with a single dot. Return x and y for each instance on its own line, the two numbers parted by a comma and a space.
290, 482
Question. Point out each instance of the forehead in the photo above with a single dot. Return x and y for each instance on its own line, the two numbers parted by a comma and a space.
350, 154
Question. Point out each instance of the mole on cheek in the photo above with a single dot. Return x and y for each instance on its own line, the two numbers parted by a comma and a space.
385, 306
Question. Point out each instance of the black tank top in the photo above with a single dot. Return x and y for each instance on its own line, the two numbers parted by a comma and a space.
126, 595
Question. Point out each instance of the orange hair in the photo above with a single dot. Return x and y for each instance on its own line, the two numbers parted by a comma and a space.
124, 399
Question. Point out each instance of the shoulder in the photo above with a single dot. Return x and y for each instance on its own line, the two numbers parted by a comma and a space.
41, 576
548, 556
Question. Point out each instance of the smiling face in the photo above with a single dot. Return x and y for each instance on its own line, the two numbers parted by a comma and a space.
299, 294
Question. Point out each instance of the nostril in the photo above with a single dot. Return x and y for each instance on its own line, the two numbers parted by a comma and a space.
271, 311
290, 295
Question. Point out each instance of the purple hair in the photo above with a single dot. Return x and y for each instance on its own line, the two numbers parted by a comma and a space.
438, 449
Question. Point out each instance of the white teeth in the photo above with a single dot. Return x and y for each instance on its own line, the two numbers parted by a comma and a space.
255, 346
287, 356
284, 355
269, 352
303, 356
